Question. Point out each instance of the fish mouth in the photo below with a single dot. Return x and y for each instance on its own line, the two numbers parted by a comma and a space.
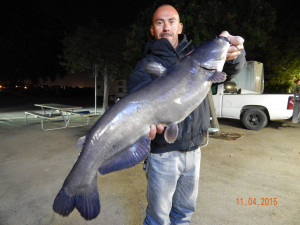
216, 63
213, 66
209, 69
226, 39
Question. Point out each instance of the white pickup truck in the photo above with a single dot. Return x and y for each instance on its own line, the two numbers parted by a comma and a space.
254, 110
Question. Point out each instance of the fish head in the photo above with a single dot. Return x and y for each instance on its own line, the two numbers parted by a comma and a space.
212, 55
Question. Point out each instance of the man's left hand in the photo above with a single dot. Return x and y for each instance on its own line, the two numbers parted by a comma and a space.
154, 129
234, 49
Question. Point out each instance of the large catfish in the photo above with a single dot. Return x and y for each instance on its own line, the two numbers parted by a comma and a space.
120, 138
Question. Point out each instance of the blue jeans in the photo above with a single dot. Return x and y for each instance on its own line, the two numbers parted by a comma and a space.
173, 179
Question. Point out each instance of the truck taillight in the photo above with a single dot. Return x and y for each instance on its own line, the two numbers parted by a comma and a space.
290, 103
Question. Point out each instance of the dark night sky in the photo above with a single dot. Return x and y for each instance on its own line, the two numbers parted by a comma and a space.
113, 14
110, 14
32, 30
66, 14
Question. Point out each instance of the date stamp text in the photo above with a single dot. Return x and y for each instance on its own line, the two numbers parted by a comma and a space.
257, 201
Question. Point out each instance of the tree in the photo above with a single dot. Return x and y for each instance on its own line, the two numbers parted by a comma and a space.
286, 69
203, 20
282, 58
91, 45
252, 20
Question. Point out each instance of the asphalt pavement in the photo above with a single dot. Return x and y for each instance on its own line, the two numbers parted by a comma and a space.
251, 180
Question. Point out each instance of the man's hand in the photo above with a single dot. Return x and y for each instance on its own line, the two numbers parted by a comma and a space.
156, 129
234, 49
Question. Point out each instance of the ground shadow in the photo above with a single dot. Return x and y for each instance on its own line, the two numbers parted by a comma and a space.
271, 124
231, 122
280, 124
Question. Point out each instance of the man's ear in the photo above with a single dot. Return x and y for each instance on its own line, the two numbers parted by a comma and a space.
180, 27
152, 30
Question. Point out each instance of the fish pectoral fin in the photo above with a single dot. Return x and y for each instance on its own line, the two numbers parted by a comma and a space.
171, 133
128, 157
218, 77
80, 142
155, 69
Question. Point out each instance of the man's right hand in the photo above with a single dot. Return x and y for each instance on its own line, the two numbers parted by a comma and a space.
156, 129
238, 44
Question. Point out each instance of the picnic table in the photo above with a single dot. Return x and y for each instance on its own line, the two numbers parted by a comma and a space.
54, 112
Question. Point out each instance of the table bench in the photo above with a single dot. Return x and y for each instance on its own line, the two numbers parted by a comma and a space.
43, 117
65, 114
52, 112
84, 113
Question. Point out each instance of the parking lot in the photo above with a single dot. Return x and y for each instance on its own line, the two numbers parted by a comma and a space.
251, 180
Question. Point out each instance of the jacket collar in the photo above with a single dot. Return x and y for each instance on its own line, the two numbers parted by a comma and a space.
162, 47
183, 44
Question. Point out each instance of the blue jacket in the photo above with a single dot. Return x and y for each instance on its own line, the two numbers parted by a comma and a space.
194, 127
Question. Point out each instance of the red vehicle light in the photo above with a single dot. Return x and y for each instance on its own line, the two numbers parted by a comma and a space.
290, 103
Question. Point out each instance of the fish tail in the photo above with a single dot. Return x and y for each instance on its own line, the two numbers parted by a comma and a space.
63, 203
88, 205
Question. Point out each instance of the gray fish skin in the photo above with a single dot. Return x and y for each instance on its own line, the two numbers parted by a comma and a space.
120, 138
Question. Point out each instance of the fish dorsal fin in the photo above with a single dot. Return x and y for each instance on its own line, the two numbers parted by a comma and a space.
171, 133
155, 69
128, 157
80, 142
218, 77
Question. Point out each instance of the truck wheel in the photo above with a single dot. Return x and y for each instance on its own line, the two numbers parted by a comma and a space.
254, 119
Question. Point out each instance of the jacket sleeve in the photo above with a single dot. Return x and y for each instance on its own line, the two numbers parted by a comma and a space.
138, 78
232, 68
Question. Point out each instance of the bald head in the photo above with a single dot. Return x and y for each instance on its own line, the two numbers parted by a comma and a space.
166, 24
163, 9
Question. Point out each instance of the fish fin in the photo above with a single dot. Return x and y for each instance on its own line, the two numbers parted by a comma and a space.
63, 203
127, 158
171, 133
80, 142
87, 204
155, 68
218, 77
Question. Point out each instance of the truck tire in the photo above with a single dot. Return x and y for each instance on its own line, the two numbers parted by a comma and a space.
254, 119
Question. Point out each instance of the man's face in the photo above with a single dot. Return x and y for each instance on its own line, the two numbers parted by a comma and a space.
166, 24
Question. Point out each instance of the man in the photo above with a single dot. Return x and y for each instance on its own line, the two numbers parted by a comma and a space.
173, 170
